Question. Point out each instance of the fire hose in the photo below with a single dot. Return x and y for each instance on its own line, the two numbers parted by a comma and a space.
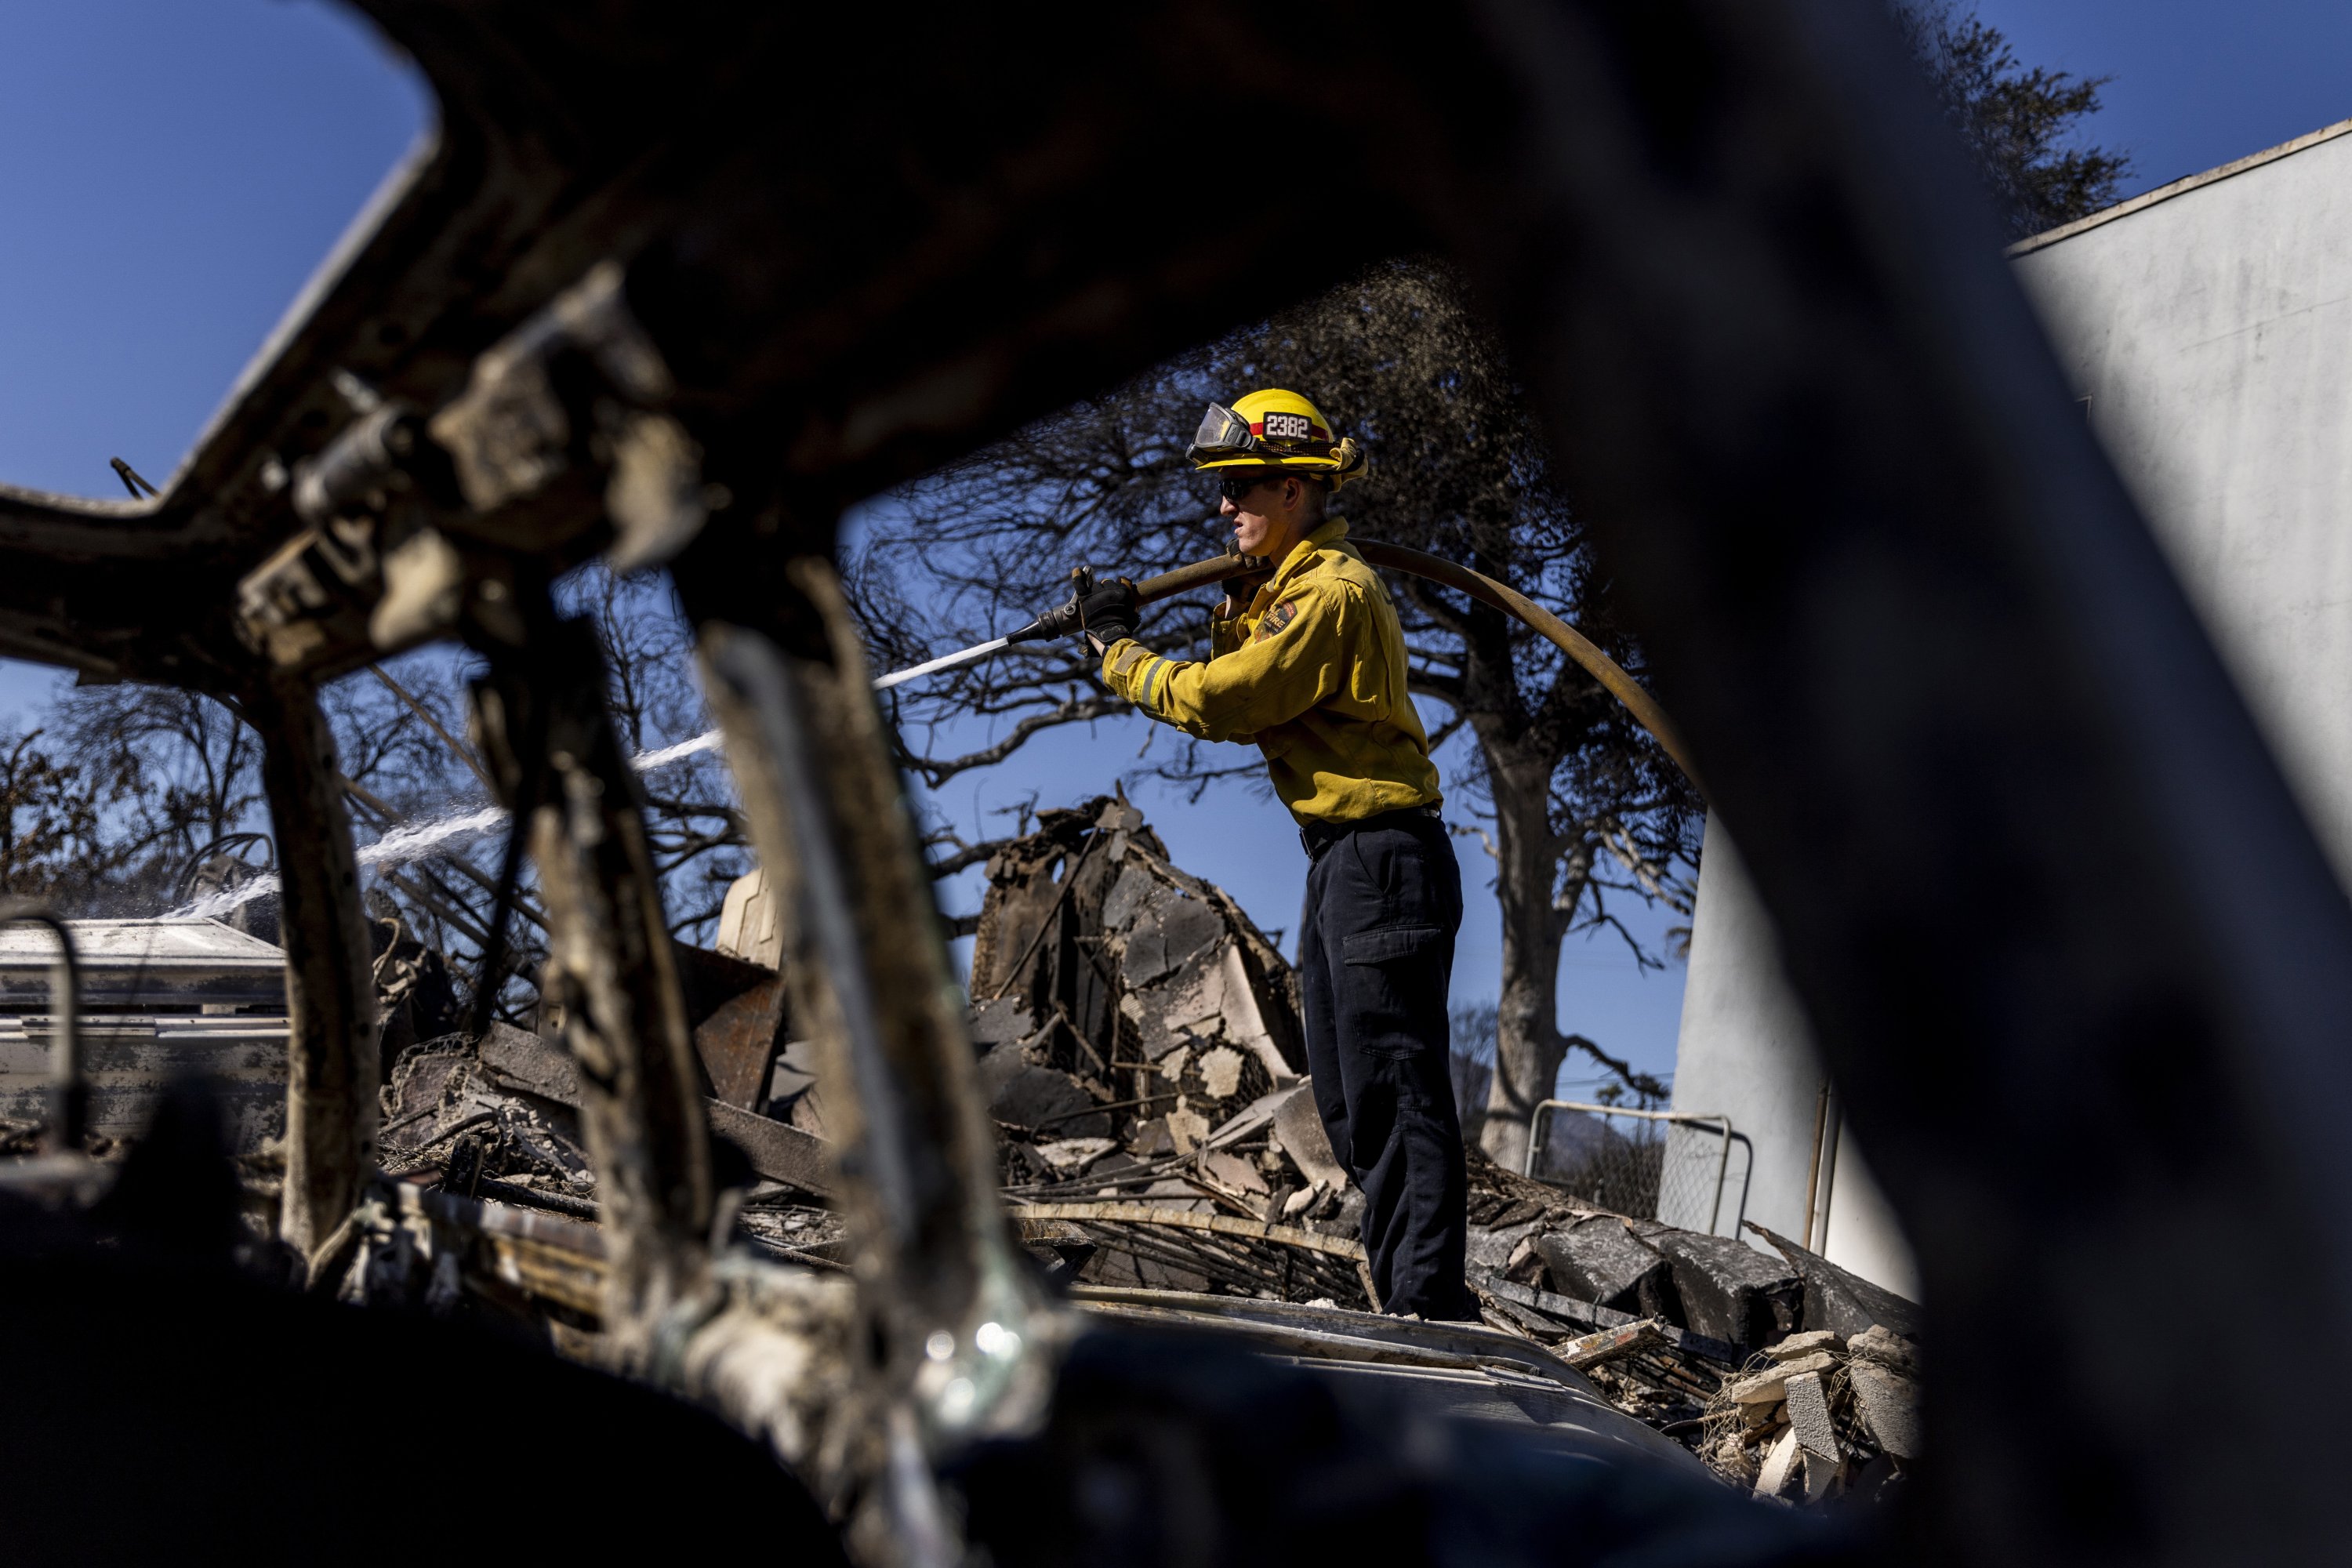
1062, 621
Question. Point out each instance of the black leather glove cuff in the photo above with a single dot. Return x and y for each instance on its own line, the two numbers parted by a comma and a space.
1110, 612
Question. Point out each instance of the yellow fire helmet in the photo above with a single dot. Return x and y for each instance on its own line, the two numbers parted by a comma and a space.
1275, 428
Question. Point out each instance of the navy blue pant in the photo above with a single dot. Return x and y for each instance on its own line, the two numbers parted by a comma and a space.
1383, 903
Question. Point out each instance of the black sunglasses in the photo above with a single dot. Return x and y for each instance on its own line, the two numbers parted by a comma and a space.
1236, 486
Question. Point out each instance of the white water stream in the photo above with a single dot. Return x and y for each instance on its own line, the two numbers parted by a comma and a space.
404, 842
420, 840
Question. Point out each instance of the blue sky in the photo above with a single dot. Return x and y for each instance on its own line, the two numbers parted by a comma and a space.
2195, 83
171, 170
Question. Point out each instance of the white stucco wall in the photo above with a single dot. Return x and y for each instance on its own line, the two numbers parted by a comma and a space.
1745, 1052
2212, 333
2210, 325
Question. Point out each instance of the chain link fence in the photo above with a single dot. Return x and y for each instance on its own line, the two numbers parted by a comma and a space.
1675, 1167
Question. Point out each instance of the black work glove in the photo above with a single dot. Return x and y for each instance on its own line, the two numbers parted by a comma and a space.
1107, 612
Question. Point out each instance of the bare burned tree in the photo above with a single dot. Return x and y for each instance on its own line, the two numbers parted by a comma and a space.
1584, 810
170, 772
53, 844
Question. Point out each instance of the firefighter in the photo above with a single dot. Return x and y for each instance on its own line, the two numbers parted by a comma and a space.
1308, 663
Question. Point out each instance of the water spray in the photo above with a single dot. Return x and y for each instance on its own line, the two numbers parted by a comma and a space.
421, 840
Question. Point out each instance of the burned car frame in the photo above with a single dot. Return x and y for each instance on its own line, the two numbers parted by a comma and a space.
671, 284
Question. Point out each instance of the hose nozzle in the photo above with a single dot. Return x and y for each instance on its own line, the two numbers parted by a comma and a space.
1062, 620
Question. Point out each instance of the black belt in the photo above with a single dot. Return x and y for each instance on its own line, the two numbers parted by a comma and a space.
1318, 836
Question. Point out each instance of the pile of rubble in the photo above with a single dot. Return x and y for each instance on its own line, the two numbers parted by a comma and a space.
1825, 1416
1140, 1051
1142, 1057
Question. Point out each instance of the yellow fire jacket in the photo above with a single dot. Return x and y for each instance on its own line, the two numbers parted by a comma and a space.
1313, 673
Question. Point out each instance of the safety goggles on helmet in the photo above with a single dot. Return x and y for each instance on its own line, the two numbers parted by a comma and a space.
1224, 434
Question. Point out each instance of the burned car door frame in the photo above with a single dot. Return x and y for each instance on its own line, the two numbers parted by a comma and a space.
2013, 824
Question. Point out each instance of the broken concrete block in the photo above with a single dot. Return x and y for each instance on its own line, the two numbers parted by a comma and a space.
1489, 1250
1070, 1155
1809, 1416
1191, 1201
1213, 995
1220, 1072
1001, 1019
1348, 1219
1889, 1403
1599, 1260
1729, 1290
1771, 1384
1188, 1129
1888, 1350
1842, 1302
1233, 1171
1172, 928
1023, 1094
1805, 1343
1249, 1119
1821, 1473
1128, 898
1527, 1264
1774, 1477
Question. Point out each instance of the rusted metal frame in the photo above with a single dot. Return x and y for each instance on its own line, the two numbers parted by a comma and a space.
738, 1042
610, 966
956, 1319
332, 1065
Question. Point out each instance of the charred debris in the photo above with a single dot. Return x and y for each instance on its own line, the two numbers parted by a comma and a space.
1137, 1045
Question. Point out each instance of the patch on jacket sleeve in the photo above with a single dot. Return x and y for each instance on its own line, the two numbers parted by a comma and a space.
1276, 618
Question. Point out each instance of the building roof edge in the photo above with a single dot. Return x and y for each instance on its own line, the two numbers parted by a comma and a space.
2181, 187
